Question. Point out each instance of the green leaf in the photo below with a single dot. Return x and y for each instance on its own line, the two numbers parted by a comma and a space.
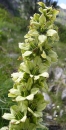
42, 106
23, 106
29, 65
40, 10
36, 113
43, 67
35, 23
24, 67
31, 126
42, 126
53, 56
36, 17
37, 60
49, 58
41, 4
55, 12
42, 19
29, 83
34, 90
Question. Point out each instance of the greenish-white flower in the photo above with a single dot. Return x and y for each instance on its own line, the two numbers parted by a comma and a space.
29, 97
4, 128
17, 77
42, 38
51, 32
14, 92
27, 53
44, 74
21, 45
16, 116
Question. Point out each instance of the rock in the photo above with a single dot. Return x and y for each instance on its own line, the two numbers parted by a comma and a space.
64, 95
55, 114
51, 74
12, 55
47, 98
11, 5
58, 73
10, 40
64, 79
54, 127
65, 59
52, 88
49, 117
2, 49
61, 112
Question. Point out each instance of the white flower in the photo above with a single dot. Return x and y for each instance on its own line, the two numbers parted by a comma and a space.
17, 76
51, 32
4, 128
29, 97
13, 119
21, 45
23, 119
8, 116
42, 38
45, 74
13, 92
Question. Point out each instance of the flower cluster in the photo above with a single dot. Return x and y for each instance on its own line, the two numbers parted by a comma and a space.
30, 80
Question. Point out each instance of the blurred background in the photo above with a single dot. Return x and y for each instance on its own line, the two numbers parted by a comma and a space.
14, 22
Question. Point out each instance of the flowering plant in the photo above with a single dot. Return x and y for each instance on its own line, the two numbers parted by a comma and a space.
30, 80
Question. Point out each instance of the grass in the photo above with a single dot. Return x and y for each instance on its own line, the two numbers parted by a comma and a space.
8, 64
12, 31
62, 16
60, 48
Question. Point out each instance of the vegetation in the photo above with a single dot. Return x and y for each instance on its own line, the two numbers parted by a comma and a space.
51, 2
30, 80
12, 31
62, 32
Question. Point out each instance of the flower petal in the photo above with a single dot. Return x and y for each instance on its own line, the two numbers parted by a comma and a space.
45, 74
27, 53
20, 98
17, 76
42, 38
30, 97
51, 32
23, 119
13, 92
8, 116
